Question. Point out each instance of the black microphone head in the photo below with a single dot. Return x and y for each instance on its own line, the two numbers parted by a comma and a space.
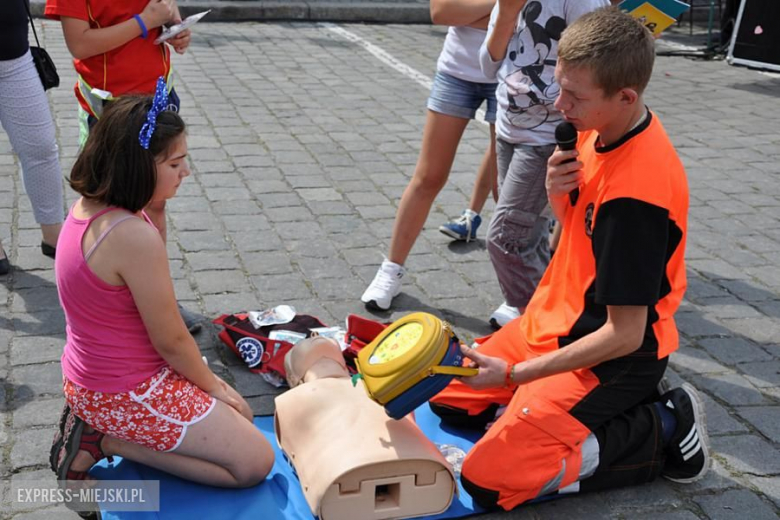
566, 136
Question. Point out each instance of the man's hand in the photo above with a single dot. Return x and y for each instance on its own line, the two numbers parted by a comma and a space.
562, 176
492, 370
228, 395
157, 13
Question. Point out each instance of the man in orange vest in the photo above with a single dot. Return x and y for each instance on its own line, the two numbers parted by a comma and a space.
568, 390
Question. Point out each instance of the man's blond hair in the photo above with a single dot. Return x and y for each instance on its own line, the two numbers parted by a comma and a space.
618, 50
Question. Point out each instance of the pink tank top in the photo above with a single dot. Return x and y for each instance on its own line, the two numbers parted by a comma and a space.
107, 348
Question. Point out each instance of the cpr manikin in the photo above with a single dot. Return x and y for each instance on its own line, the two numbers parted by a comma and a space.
353, 461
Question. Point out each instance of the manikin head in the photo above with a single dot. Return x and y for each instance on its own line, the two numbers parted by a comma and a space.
314, 358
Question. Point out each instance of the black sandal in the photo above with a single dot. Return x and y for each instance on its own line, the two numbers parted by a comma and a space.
57, 442
48, 250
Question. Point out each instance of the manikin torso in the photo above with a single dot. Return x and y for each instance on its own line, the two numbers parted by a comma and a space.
353, 461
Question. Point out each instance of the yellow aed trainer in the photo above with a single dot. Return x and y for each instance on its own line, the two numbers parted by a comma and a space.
409, 362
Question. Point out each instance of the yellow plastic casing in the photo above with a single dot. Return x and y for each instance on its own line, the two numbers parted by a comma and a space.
405, 353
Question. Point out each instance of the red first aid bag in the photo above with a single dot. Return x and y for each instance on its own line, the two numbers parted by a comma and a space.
261, 353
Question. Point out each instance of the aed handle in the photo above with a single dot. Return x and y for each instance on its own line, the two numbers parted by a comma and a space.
454, 371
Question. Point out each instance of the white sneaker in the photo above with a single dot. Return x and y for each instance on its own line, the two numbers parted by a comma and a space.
503, 315
385, 286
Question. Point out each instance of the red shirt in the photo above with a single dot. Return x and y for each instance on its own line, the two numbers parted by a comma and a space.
132, 68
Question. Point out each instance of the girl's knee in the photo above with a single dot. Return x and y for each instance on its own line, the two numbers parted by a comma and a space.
252, 470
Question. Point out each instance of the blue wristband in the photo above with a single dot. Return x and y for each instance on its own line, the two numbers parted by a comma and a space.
144, 30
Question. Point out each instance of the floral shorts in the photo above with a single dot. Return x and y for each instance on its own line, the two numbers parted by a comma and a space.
155, 415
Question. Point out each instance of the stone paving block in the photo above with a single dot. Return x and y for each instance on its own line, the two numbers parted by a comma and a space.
31, 259
228, 303
335, 289
281, 287
35, 299
251, 241
730, 388
696, 325
760, 330
747, 454
689, 359
719, 420
218, 282
299, 230
442, 284
765, 419
267, 263
675, 514
324, 249
212, 260
767, 275
762, 375
236, 207
342, 224
596, 507
717, 479
41, 412
318, 194
731, 351
52, 513
27, 350
202, 240
32, 448
747, 290
242, 223
33, 279
736, 504
39, 323
278, 200
289, 214
30, 381
769, 486
319, 268
200, 221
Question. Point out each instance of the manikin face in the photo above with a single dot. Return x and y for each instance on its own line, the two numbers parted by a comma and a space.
172, 168
582, 102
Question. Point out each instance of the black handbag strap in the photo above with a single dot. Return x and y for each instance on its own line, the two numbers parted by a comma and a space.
29, 15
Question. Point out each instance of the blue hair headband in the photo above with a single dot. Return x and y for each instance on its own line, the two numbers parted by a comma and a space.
159, 104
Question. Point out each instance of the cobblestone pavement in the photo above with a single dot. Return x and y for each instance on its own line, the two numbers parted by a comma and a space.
301, 144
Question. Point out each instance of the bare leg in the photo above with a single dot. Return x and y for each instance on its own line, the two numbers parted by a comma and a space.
51, 232
156, 212
441, 137
486, 176
224, 450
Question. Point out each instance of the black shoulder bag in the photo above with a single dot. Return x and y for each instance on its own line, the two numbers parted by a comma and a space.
43, 62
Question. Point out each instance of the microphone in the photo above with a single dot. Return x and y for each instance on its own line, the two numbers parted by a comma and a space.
566, 138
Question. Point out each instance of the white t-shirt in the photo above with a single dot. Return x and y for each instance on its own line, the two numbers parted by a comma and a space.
526, 84
460, 55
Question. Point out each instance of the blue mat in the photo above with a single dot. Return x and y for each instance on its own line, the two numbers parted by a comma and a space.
278, 497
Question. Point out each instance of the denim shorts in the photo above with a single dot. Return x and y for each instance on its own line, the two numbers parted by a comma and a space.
460, 98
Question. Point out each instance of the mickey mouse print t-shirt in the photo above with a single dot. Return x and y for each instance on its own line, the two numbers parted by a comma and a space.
527, 88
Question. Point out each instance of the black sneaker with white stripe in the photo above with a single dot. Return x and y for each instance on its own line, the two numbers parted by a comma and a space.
688, 451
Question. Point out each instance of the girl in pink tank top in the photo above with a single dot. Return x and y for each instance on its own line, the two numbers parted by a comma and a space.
134, 380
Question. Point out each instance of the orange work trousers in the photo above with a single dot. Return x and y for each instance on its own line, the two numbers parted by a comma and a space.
537, 438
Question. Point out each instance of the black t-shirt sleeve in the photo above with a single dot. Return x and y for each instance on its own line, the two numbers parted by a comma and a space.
630, 241
13, 29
